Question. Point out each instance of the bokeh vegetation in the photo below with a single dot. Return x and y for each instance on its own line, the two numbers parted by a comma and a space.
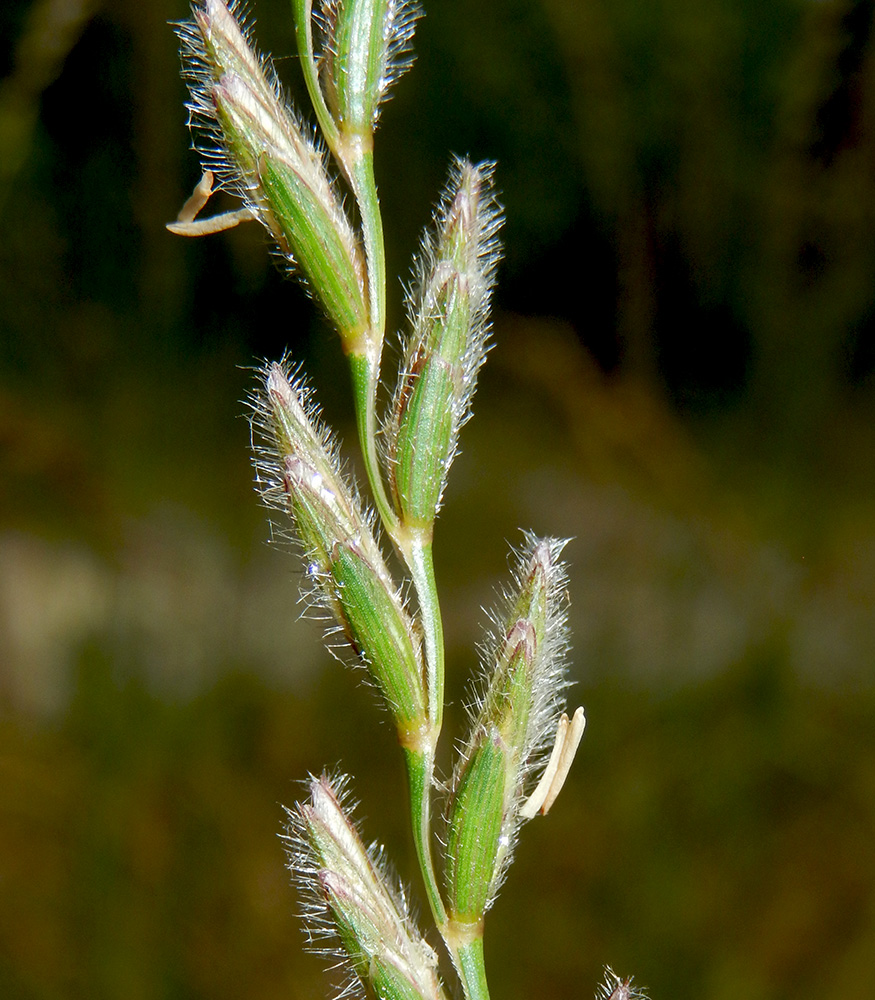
683, 380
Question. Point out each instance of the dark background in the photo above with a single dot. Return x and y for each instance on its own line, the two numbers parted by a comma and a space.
683, 380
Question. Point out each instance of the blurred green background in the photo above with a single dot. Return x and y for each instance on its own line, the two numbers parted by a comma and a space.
683, 380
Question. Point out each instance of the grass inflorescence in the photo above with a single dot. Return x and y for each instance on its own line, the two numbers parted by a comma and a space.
315, 193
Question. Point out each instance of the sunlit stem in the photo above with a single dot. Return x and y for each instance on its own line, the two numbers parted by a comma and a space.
416, 548
420, 769
356, 157
467, 955
365, 370
417, 552
303, 15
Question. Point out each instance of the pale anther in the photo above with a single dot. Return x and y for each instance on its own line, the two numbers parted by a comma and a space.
199, 197
534, 802
568, 737
186, 225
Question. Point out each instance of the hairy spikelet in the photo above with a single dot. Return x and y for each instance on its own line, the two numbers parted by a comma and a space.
364, 47
512, 722
511, 766
205, 61
287, 381
298, 471
258, 147
613, 987
448, 315
353, 909
550, 679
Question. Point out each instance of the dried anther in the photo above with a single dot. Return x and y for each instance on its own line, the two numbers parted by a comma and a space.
186, 225
568, 737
